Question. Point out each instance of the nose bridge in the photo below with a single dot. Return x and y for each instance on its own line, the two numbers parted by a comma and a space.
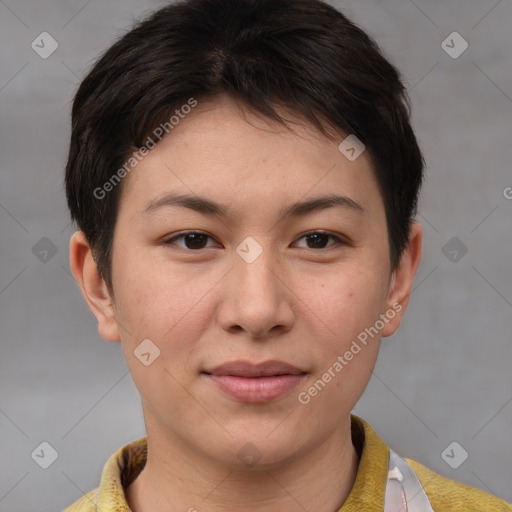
255, 268
257, 300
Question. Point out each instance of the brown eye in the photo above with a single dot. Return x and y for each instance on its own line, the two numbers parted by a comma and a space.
319, 239
193, 240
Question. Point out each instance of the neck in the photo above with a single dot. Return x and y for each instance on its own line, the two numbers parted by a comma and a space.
175, 476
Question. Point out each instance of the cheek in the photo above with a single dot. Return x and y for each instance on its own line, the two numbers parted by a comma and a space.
170, 307
347, 301
167, 312
345, 306
345, 310
146, 297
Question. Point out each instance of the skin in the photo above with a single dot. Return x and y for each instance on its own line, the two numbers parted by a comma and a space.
302, 301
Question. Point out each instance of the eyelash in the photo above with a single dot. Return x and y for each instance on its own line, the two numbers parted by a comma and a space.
169, 241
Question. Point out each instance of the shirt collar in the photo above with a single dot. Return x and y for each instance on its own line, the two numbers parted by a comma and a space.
367, 492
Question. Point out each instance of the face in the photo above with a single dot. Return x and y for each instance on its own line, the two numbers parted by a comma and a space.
250, 279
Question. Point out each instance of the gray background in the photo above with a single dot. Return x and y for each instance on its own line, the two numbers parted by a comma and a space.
445, 376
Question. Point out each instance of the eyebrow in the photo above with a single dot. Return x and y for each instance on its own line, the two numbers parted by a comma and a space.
211, 208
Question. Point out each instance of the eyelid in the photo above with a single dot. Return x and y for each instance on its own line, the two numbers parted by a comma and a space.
340, 239
169, 240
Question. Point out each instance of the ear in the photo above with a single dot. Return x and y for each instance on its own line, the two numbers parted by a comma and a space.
402, 280
93, 286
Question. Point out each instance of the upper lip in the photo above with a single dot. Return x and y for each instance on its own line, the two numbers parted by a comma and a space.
247, 369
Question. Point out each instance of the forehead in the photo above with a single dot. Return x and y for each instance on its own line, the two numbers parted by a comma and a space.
236, 156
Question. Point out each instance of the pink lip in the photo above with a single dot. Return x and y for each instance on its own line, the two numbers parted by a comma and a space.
256, 389
256, 383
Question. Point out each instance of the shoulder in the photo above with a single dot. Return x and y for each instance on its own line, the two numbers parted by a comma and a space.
118, 472
447, 495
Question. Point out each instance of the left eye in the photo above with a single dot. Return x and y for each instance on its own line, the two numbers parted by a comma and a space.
319, 238
196, 239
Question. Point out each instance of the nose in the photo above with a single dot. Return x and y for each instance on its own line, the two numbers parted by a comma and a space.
257, 299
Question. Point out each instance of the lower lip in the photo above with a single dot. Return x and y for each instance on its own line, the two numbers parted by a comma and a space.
257, 389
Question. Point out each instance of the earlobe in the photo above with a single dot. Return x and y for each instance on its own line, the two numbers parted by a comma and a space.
93, 286
402, 280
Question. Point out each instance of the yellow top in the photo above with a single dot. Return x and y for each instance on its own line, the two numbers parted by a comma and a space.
367, 495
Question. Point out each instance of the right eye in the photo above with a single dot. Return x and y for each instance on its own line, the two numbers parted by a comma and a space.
193, 240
